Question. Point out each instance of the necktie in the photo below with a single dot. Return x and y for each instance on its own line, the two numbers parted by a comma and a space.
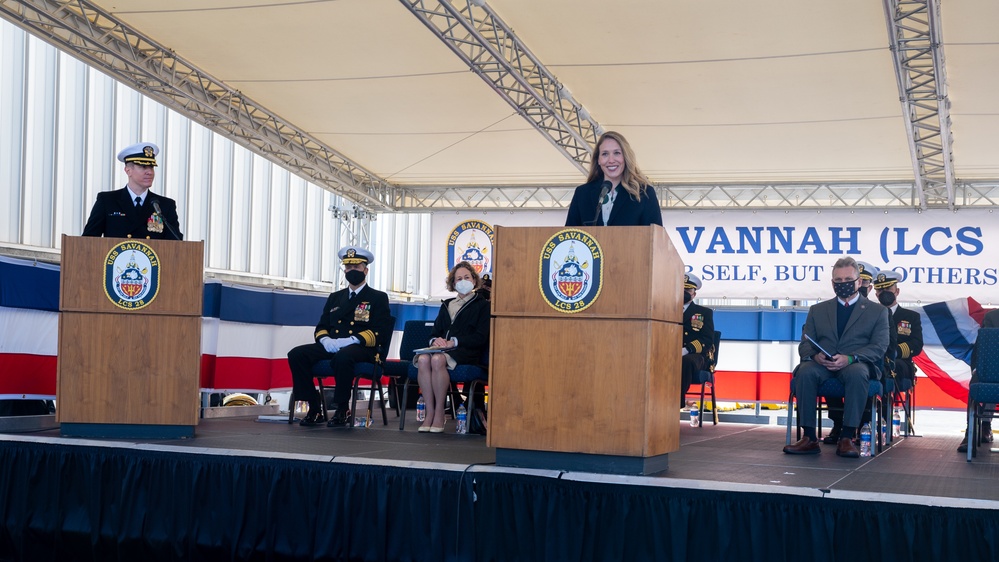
352, 295
138, 201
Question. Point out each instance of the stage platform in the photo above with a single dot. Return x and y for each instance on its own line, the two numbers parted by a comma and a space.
382, 494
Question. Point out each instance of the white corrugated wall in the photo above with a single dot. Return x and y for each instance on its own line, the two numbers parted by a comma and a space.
61, 125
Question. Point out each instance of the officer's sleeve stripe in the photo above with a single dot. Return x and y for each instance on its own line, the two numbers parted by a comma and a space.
369, 338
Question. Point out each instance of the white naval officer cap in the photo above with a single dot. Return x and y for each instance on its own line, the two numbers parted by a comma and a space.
355, 254
142, 153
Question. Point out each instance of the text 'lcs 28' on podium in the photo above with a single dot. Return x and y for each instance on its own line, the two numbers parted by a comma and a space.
129, 337
584, 367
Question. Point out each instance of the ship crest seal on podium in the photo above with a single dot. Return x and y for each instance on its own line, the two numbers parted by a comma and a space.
571, 271
462, 245
131, 275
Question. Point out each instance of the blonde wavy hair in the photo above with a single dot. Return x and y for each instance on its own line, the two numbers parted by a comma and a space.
633, 180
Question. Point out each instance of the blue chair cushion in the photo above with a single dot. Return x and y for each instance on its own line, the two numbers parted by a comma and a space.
833, 388
468, 373
461, 373
705, 376
904, 385
323, 369
983, 392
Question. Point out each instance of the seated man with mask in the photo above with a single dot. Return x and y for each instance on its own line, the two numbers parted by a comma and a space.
867, 274
347, 333
850, 335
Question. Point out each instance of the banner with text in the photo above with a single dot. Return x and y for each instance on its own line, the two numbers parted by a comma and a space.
790, 254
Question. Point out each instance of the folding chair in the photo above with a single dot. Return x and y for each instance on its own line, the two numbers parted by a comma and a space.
415, 334
472, 378
985, 389
372, 371
706, 376
833, 388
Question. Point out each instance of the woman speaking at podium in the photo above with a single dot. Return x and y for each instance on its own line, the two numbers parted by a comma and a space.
616, 192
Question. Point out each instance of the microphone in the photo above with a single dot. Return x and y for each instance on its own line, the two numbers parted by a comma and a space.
604, 190
156, 207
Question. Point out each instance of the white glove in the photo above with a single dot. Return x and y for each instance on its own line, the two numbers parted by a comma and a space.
329, 344
341, 343
685, 351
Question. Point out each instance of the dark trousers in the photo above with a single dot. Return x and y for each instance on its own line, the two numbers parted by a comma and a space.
302, 358
904, 370
809, 376
690, 365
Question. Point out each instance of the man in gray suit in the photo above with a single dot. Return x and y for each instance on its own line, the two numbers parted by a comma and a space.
854, 332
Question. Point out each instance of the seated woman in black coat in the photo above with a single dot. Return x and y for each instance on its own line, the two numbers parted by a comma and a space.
462, 331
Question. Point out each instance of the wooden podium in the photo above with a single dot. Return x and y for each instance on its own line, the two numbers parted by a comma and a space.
591, 385
129, 337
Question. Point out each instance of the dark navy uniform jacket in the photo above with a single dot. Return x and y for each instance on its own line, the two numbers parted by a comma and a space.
368, 316
114, 215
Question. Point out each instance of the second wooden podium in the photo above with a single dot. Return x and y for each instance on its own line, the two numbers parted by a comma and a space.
585, 352
129, 337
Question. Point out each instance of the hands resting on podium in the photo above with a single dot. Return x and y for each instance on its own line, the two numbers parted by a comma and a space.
334, 345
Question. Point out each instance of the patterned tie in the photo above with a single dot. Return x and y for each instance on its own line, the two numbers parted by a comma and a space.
138, 201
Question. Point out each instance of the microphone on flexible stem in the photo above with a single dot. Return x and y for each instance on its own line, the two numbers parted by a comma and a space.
604, 190
156, 207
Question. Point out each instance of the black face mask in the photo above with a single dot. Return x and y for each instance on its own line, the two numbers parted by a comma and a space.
864, 290
886, 298
354, 276
845, 289
686, 297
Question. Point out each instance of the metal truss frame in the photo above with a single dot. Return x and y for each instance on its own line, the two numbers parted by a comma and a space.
916, 39
480, 38
96, 37
852, 195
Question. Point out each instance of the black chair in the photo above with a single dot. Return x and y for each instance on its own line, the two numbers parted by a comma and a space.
903, 392
473, 378
706, 377
985, 389
415, 334
372, 371
833, 388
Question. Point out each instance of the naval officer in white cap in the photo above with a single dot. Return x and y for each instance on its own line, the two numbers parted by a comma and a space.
698, 335
133, 211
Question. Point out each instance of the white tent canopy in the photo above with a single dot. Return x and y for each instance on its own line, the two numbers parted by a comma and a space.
722, 92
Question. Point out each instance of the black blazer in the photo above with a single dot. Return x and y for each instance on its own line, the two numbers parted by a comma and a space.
114, 215
368, 317
470, 326
626, 211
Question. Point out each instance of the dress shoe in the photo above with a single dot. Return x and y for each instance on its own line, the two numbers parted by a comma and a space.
424, 429
983, 440
435, 429
804, 446
833, 437
846, 448
313, 418
340, 418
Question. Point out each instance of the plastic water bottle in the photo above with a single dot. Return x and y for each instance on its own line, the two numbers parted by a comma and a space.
421, 409
865, 440
695, 417
896, 424
462, 420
